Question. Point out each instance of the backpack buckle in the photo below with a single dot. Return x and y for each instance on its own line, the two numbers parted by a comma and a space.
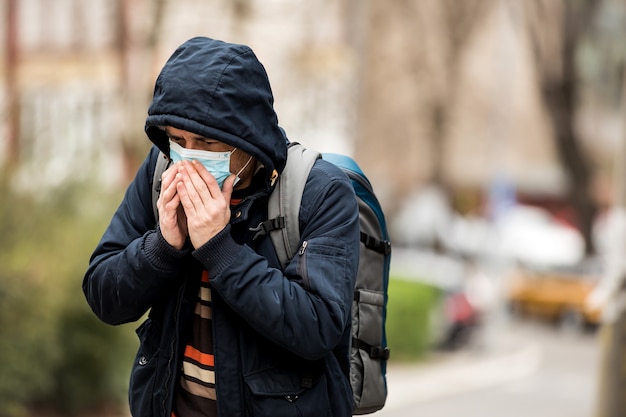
267, 226
379, 352
374, 352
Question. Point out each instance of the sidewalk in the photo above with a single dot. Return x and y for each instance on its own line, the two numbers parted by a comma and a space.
449, 374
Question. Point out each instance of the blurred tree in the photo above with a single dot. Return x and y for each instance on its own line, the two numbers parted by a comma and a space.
11, 85
137, 46
411, 64
458, 21
603, 56
556, 30
610, 400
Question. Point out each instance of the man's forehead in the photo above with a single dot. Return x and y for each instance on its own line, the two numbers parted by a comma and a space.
173, 131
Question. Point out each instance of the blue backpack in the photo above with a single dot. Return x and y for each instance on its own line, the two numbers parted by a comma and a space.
369, 352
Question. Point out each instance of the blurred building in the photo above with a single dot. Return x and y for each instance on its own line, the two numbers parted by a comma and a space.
84, 71
358, 77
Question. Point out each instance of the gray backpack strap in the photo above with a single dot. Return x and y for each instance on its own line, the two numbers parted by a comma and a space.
284, 202
161, 165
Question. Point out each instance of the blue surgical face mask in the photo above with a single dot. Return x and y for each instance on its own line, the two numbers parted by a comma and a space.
217, 163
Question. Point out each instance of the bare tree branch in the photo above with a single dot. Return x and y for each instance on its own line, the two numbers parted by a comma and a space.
554, 47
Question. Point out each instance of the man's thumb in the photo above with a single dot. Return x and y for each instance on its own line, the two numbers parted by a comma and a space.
229, 184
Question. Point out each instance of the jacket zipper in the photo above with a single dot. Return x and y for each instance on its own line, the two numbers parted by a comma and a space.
302, 269
172, 348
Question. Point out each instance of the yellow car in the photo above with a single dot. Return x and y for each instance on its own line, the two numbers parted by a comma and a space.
556, 294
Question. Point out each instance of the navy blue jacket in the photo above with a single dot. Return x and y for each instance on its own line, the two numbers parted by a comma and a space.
281, 337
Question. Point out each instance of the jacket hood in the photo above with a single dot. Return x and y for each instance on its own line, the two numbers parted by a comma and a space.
220, 91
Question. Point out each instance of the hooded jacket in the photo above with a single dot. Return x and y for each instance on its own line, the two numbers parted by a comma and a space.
281, 337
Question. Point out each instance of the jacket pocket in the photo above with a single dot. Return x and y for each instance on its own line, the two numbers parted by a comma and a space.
321, 264
277, 393
144, 371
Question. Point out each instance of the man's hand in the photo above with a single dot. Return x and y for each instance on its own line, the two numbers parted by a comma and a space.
206, 206
172, 219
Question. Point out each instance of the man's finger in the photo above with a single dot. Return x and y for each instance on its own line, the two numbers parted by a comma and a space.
229, 185
208, 179
185, 189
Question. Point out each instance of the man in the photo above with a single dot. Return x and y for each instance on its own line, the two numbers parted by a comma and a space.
229, 333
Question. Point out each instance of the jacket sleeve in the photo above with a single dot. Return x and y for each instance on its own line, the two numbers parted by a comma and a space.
133, 265
307, 308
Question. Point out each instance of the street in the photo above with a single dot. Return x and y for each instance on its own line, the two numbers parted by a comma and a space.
526, 368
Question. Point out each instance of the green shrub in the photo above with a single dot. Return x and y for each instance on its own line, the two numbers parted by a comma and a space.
94, 365
408, 309
27, 348
54, 354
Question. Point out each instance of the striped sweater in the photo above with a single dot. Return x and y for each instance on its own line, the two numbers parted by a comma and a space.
196, 395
